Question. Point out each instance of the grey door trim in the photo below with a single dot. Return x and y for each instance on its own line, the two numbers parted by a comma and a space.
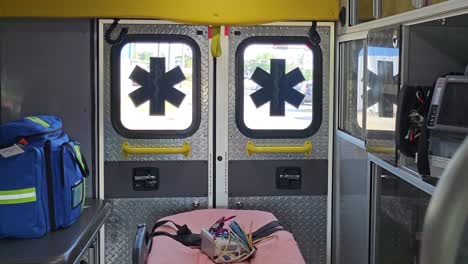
403, 174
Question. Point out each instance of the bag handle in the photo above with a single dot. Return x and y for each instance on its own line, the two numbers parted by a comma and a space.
80, 161
83, 167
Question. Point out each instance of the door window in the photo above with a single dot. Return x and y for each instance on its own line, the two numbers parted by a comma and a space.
155, 86
278, 89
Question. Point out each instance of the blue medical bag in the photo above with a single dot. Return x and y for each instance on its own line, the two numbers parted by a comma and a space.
42, 177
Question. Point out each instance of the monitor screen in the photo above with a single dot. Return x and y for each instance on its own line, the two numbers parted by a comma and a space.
454, 108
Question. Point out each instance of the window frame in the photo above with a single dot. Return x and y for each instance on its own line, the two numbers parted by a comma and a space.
317, 92
341, 91
116, 92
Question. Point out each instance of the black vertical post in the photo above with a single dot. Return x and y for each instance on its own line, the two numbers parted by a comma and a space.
277, 69
157, 68
214, 130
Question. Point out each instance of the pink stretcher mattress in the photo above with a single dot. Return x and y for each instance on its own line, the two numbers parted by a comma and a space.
281, 250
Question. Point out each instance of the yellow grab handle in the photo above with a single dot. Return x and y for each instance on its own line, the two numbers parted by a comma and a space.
127, 150
252, 149
381, 150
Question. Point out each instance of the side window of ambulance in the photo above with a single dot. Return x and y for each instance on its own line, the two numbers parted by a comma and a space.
278, 87
156, 86
351, 88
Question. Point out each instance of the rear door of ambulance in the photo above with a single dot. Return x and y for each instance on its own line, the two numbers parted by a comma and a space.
273, 111
155, 150
270, 90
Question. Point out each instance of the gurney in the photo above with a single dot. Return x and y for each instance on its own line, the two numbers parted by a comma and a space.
281, 248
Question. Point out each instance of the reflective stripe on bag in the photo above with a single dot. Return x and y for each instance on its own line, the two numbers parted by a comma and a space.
18, 196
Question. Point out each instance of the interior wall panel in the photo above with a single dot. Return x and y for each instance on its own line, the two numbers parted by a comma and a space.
45, 68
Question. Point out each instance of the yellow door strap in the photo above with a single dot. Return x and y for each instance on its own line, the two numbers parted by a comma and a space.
216, 41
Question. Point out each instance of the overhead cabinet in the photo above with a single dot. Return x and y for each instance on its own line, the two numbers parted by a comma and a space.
368, 10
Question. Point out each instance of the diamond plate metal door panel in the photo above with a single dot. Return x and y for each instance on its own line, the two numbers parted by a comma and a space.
199, 140
237, 141
304, 216
127, 214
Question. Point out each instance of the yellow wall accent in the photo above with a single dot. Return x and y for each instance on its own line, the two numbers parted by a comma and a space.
394, 7
389, 8
221, 12
365, 11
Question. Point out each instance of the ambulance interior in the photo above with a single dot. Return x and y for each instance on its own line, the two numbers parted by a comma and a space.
319, 131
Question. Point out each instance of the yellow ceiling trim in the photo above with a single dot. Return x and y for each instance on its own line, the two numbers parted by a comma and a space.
227, 12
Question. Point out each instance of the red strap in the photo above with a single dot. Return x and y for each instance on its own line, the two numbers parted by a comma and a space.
210, 32
23, 142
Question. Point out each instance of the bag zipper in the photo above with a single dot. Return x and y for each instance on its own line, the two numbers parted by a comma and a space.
62, 154
41, 191
50, 186
38, 134
62, 169
18, 139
